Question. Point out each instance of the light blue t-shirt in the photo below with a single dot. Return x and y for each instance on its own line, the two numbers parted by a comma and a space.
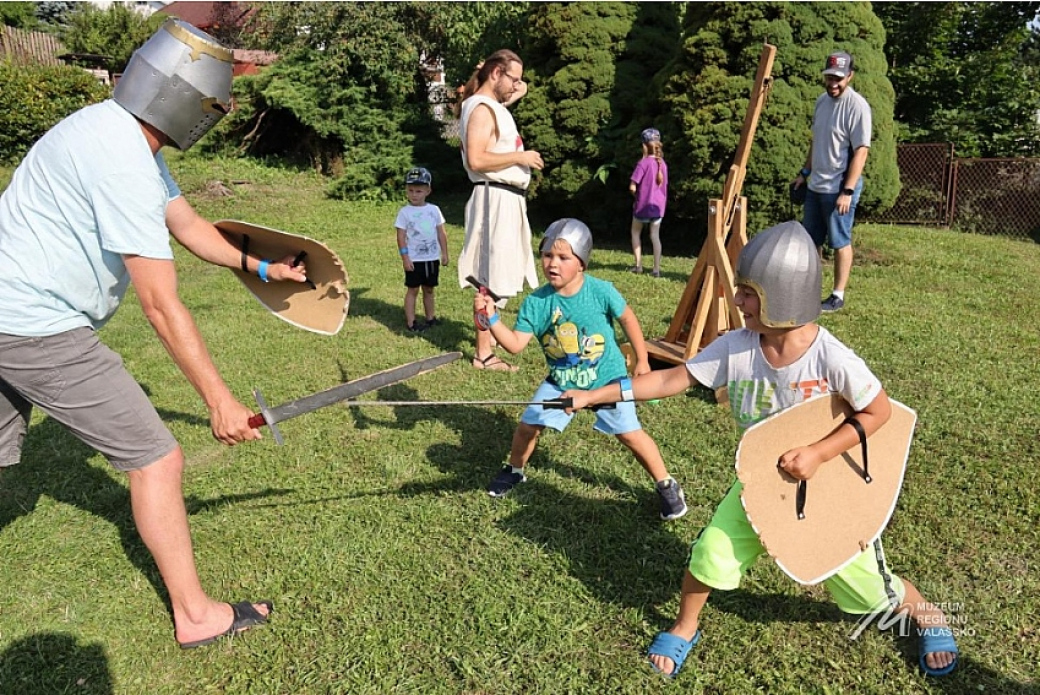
576, 333
88, 192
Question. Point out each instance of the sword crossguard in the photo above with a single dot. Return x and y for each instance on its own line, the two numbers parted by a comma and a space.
265, 418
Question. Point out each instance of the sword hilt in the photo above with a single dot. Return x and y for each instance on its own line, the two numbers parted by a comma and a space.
265, 418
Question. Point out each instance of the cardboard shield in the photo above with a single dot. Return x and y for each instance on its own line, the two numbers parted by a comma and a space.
320, 308
843, 514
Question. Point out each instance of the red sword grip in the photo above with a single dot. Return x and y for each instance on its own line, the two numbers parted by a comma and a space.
257, 421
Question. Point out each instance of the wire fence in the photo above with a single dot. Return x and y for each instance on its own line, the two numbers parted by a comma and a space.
980, 196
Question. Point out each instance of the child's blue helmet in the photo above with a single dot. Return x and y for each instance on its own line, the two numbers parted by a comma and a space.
574, 232
418, 175
651, 135
783, 266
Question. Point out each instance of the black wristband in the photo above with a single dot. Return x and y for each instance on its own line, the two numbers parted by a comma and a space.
245, 253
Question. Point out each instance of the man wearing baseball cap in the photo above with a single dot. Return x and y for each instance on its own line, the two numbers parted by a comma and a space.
833, 170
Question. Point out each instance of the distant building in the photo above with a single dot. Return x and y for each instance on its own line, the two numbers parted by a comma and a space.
140, 6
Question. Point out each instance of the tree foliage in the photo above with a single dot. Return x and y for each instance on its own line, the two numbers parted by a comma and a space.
115, 32
962, 74
708, 88
34, 98
569, 61
21, 15
347, 95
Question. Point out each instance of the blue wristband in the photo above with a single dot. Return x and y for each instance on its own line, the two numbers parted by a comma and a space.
261, 270
492, 320
626, 389
805, 172
403, 250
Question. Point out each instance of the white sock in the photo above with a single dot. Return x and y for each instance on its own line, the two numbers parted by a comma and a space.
840, 294
517, 470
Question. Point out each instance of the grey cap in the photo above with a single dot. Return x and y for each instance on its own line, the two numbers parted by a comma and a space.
179, 81
783, 266
574, 232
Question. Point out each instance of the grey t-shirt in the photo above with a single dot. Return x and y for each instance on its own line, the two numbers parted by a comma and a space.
839, 126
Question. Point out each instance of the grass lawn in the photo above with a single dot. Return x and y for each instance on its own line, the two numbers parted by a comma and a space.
391, 569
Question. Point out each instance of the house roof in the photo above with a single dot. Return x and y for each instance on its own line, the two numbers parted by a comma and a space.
204, 15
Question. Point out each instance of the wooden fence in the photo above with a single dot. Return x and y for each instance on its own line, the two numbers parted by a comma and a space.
29, 47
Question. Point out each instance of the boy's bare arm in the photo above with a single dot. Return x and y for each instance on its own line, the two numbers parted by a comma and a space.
802, 462
442, 239
512, 341
634, 332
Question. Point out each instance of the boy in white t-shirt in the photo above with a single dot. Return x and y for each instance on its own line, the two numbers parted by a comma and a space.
423, 245
779, 360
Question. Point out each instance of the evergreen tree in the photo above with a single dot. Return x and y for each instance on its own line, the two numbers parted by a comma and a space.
569, 61
116, 32
962, 74
347, 96
707, 88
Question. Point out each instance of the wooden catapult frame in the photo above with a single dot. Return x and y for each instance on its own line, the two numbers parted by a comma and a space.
707, 309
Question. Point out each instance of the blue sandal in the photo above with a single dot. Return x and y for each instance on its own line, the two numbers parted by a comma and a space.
673, 647
932, 640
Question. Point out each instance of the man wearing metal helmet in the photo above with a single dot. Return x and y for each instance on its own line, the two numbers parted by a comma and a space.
88, 212
780, 359
573, 317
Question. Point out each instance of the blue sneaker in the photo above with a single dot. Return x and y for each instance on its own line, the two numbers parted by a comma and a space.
832, 303
505, 481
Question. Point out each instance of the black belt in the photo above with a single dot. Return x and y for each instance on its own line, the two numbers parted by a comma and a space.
522, 192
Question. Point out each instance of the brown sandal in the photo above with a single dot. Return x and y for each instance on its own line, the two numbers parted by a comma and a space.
494, 363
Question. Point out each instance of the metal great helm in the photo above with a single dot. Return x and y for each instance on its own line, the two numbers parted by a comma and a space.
575, 233
783, 266
179, 81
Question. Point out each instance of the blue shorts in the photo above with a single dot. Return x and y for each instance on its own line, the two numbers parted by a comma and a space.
620, 419
647, 220
824, 223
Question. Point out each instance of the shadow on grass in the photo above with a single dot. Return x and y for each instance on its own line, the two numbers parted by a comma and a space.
57, 465
52, 662
618, 548
968, 677
448, 336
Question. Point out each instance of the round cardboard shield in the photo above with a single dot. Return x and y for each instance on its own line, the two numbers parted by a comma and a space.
843, 514
320, 307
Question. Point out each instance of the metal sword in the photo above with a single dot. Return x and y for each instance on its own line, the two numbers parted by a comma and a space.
336, 394
552, 403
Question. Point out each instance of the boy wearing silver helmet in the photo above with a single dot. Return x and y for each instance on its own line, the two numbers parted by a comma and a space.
780, 359
573, 318
88, 212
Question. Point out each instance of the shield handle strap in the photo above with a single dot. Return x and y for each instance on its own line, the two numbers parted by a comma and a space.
799, 500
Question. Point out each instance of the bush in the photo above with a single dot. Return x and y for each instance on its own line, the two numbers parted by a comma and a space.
35, 98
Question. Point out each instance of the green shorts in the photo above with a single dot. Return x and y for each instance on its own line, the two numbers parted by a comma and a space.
728, 545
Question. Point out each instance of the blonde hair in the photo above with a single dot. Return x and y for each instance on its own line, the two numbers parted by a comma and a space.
656, 150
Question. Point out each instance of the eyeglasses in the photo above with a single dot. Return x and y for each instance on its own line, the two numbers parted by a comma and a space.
516, 80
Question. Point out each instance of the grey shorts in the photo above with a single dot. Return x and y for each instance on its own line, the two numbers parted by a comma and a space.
81, 383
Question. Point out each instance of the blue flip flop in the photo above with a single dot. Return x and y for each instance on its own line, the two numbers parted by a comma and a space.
932, 640
673, 647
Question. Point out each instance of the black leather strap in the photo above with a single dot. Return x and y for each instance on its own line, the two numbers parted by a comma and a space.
245, 253
504, 186
803, 485
863, 445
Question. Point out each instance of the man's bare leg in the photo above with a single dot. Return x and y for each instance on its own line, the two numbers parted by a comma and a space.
157, 501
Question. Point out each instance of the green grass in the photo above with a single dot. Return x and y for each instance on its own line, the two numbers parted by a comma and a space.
391, 569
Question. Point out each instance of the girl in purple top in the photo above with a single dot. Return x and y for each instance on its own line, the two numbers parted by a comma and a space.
649, 185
